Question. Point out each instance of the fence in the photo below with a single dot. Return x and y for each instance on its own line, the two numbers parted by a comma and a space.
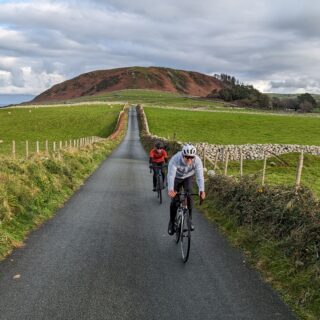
27, 149
222, 157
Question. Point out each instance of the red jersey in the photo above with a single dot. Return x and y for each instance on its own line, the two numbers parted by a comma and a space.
158, 157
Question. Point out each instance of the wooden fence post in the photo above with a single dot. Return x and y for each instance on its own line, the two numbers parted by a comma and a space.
241, 162
47, 147
37, 147
222, 154
27, 149
299, 171
13, 149
216, 160
226, 163
54, 146
264, 168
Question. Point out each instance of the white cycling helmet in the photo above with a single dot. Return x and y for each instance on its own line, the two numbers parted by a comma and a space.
189, 150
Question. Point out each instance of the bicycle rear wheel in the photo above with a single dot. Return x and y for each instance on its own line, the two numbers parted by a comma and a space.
185, 236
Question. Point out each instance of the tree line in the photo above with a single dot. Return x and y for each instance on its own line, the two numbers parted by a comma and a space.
247, 96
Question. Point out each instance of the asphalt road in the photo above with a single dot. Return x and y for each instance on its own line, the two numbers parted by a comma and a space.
107, 255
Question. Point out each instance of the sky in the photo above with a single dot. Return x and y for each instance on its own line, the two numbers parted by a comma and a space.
271, 44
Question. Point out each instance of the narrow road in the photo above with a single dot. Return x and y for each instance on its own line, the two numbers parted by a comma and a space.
107, 255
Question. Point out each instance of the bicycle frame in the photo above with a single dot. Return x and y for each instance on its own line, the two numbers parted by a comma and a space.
160, 181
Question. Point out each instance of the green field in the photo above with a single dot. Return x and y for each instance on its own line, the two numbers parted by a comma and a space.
54, 124
155, 98
234, 128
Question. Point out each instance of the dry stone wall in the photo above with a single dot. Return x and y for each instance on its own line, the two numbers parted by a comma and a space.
252, 151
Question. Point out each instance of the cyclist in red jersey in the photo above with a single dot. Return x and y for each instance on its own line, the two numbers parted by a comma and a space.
158, 156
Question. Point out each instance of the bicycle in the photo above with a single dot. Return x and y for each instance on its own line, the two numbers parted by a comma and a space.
160, 181
182, 224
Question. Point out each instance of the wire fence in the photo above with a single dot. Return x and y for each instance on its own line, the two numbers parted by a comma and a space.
223, 161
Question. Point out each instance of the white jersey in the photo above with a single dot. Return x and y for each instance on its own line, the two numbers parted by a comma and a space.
179, 169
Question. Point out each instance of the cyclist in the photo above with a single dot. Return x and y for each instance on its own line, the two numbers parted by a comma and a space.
157, 157
182, 167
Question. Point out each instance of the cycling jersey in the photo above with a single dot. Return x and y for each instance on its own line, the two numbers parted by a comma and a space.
158, 157
179, 169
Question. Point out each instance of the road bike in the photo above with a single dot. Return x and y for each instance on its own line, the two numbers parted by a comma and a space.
182, 224
160, 181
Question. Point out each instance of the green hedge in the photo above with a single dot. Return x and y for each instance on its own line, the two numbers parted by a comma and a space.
289, 217
279, 229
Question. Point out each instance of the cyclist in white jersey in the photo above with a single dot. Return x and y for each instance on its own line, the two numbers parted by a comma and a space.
182, 167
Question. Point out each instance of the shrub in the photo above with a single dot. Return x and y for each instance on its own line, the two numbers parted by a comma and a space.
291, 218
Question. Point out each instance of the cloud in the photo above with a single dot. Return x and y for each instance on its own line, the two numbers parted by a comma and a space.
260, 42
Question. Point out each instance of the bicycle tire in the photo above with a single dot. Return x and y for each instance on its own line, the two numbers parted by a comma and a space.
177, 229
185, 236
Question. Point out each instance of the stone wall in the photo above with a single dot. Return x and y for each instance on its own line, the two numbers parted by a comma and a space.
252, 151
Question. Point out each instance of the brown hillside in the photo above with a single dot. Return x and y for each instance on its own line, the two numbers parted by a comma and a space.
164, 79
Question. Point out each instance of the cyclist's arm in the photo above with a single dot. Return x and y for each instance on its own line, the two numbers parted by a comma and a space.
172, 169
199, 174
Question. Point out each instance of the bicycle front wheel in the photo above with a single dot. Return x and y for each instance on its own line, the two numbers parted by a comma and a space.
185, 236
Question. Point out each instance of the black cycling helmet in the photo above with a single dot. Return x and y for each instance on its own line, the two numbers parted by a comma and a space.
158, 145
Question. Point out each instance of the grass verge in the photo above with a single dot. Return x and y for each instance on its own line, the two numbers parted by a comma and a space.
31, 191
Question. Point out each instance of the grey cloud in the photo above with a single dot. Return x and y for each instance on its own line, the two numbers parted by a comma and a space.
296, 83
253, 40
17, 78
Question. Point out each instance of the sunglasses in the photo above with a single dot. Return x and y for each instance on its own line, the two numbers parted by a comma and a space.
188, 157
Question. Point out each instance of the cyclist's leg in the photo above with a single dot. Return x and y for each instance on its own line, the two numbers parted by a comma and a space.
154, 178
188, 186
174, 206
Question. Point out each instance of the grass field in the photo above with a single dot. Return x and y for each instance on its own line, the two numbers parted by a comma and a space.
54, 124
234, 128
156, 98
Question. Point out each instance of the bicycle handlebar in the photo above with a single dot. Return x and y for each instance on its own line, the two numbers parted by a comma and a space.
187, 194
159, 166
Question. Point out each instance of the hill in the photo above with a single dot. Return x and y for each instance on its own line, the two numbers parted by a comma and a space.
154, 78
